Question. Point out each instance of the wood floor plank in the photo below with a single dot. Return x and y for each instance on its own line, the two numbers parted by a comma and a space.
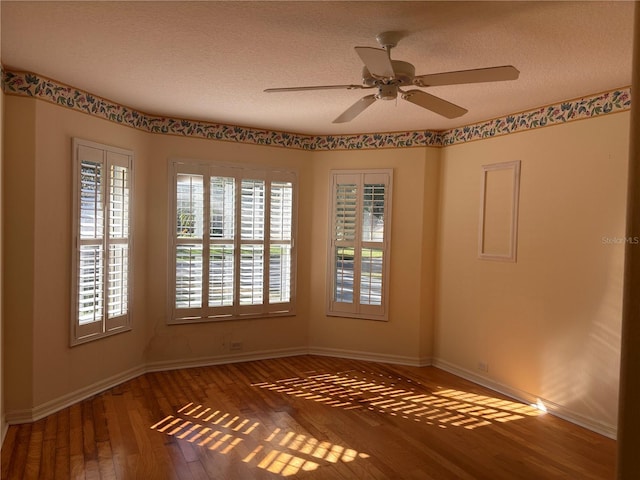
48, 460
34, 452
197, 471
76, 449
6, 456
62, 467
155, 458
116, 443
88, 433
18, 460
309, 417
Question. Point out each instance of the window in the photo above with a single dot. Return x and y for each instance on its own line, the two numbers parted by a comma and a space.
359, 244
102, 205
232, 242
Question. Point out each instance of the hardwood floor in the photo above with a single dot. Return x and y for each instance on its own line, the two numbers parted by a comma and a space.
303, 417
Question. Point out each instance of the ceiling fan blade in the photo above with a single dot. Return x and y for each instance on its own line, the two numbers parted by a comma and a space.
435, 104
376, 60
479, 75
356, 109
318, 87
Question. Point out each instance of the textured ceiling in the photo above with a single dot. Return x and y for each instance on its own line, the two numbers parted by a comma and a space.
212, 60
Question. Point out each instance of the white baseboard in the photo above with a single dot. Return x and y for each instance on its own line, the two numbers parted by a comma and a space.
370, 357
53, 406
40, 411
4, 426
57, 404
222, 359
553, 408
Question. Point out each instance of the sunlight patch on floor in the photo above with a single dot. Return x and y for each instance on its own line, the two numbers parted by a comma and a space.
442, 407
281, 451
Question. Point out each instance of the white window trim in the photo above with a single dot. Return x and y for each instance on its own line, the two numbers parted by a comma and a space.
355, 309
239, 170
80, 334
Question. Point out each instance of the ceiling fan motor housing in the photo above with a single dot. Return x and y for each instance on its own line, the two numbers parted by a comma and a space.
403, 75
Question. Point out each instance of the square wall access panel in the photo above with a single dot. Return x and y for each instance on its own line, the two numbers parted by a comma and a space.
498, 225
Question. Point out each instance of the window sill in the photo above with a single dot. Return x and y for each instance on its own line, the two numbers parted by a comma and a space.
97, 336
230, 318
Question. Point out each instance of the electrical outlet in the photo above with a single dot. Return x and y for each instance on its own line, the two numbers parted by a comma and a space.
483, 366
235, 347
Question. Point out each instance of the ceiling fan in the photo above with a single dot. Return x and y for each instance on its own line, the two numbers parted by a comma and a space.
390, 76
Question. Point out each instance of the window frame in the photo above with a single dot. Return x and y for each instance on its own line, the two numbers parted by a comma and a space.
356, 309
239, 171
108, 156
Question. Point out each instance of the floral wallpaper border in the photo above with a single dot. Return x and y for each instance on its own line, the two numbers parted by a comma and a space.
570, 110
33, 85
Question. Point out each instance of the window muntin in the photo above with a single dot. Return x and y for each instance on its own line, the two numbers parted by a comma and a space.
249, 267
359, 245
102, 240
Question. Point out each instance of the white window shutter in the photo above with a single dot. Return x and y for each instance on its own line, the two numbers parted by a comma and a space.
357, 279
239, 262
102, 240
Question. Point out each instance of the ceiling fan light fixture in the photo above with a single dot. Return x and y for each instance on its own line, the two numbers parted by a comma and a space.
387, 92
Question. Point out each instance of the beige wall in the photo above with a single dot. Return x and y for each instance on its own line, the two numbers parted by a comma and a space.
37, 229
18, 251
169, 344
43, 367
549, 324
3, 424
58, 368
406, 337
